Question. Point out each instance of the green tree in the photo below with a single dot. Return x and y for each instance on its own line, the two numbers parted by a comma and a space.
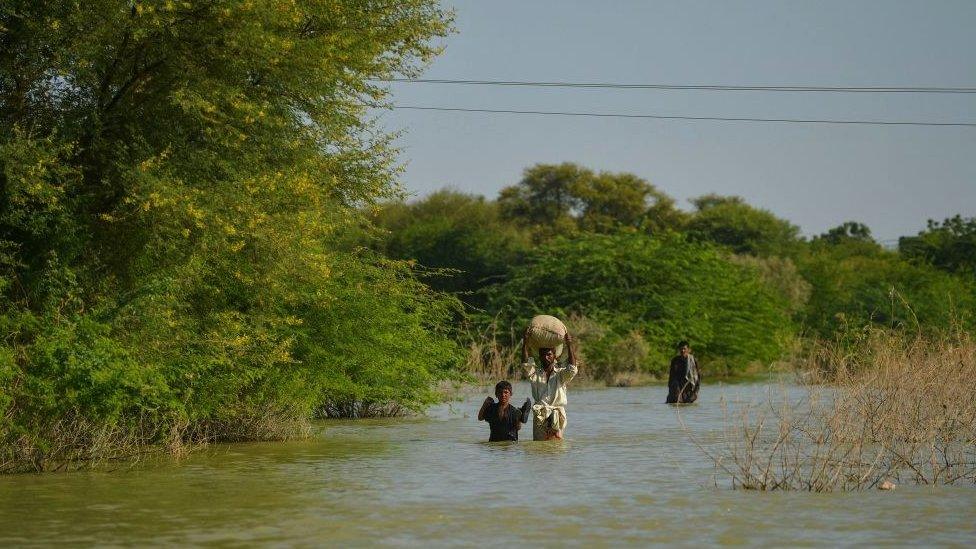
781, 274
851, 287
729, 221
565, 198
847, 231
175, 178
950, 245
544, 196
460, 233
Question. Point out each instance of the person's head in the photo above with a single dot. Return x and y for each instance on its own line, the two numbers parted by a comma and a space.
503, 390
547, 356
684, 349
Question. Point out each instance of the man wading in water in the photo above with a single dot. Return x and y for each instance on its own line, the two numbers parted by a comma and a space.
548, 389
683, 379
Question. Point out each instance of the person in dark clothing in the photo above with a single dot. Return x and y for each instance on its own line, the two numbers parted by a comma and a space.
684, 378
504, 419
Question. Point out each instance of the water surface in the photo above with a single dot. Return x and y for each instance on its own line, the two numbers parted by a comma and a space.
629, 473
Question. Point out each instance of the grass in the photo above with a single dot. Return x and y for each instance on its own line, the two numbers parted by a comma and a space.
892, 408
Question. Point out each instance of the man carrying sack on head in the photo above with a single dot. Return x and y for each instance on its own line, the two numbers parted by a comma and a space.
548, 382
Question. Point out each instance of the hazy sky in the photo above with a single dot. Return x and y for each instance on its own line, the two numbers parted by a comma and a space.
817, 176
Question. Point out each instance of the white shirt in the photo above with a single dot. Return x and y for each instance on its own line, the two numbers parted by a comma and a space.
549, 395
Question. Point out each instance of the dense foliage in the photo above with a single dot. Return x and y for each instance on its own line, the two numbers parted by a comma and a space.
565, 198
175, 180
857, 282
659, 289
950, 245
612, 254
729, 221
460, 237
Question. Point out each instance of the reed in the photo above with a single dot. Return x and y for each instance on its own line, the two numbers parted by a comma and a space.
74, 442
892, 408
489, 359
360, 409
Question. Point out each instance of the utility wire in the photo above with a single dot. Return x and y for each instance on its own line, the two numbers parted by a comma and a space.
676, 117
702, 87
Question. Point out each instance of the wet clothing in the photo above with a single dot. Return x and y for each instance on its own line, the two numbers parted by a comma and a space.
505, 428
684, 380
549, 411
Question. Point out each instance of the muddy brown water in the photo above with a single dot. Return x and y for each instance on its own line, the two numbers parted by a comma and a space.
628, 474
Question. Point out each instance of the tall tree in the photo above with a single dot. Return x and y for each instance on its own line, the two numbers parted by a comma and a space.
457, 232
559, 198
545, 197
731, 222
847, 231
949, 245
174, 175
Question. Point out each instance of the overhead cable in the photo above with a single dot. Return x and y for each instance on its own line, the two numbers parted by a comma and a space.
681, 117
700, 87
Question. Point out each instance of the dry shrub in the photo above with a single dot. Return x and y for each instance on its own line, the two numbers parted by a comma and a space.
896, 408
268, 423
489, 360
585, 329
360, 409
74, 442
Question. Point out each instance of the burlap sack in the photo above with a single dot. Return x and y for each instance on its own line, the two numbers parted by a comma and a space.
545, 332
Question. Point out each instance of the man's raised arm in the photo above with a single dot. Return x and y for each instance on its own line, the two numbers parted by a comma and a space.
571, 368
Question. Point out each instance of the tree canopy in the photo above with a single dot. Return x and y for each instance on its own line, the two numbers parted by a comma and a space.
561, 198
175, 177
949, 245
666, 288
458, 232
729, 221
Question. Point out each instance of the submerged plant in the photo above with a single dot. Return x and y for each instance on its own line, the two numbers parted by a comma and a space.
899, 410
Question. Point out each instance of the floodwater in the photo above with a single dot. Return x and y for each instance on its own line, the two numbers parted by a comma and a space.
629, 473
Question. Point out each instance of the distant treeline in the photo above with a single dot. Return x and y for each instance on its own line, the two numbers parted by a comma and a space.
635, 274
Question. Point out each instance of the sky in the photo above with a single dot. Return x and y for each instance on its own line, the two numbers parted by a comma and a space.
892, 178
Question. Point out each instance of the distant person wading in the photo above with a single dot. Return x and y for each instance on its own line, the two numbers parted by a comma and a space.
684, 378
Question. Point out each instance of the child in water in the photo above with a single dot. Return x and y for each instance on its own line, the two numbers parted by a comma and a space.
503, 418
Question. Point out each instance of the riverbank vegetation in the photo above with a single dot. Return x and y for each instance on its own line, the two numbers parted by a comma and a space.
178, 182
633, 274
899, 410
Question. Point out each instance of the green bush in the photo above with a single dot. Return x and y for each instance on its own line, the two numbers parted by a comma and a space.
662, 289
854, 285
460, 236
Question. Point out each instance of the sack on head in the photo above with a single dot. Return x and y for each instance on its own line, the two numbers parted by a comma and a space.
545, 332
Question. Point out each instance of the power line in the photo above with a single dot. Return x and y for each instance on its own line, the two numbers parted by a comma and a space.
700, 87
677, 117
